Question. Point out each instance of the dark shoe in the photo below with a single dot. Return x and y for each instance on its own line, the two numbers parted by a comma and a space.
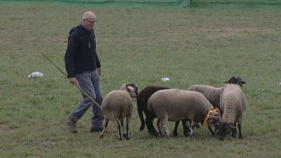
95, 130
71, 125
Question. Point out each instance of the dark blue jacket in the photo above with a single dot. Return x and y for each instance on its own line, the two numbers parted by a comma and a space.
81, 55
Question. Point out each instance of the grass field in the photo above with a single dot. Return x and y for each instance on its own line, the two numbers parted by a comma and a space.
205, 46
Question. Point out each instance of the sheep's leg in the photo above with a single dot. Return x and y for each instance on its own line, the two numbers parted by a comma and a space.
164, 128
185, 126
196, 125
233, 130
175, 132
229, 130
127, 127
104, 128
159, 128
240, 133
191, 130
140, 112
119, 129
149, 124
223, 128
185, 129
122, 128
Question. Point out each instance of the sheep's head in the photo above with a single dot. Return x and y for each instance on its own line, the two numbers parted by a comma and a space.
213, 118
225, 128
132, 89
235, 80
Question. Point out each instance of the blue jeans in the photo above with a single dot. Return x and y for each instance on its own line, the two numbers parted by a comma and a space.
90, 83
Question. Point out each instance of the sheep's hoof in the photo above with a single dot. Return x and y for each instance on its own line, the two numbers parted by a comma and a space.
187, 134
141, 128
120, 139
101, 136
215, 135
195, 126
160, 135
127, 138
228, 131
154, 133
192, 136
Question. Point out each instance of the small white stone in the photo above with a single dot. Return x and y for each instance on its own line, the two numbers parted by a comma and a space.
165, 79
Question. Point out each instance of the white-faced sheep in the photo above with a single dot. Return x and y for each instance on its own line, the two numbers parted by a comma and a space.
212, 94
118, 104
232, 103
142, 99
176, 105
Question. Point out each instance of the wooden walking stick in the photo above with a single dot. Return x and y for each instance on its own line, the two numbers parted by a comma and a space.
77, 85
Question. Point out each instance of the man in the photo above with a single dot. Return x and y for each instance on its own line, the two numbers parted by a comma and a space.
83, 69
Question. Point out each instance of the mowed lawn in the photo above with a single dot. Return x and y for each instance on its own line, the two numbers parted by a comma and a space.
189, 46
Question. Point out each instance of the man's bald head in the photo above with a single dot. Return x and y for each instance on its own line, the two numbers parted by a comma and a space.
88, 20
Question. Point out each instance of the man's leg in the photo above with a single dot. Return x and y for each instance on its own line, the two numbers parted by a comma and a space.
97, 119
86, 84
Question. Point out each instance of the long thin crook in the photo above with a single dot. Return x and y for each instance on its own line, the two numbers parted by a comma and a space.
87, 94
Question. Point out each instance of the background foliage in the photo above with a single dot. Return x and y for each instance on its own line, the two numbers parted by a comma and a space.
203, 46
222, 4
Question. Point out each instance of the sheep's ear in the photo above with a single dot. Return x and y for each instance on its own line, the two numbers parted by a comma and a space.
212, 118
131, 88
212, 122
235, 80
230, 80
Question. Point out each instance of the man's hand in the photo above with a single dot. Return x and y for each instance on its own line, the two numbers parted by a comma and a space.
99, 71
73, 80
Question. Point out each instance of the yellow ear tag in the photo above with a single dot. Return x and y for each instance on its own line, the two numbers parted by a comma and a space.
208, 114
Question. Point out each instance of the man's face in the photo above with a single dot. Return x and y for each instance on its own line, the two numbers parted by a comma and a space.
89, 22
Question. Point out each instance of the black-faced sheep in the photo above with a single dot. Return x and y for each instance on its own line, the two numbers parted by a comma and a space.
118, 104
236, 80
176, 105
213, 94
232, 103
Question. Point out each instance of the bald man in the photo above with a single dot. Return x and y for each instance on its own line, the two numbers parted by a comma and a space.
83, 66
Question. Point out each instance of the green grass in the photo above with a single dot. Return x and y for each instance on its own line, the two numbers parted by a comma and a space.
203, 46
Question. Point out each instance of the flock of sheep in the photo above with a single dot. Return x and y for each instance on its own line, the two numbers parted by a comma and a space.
219, 109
